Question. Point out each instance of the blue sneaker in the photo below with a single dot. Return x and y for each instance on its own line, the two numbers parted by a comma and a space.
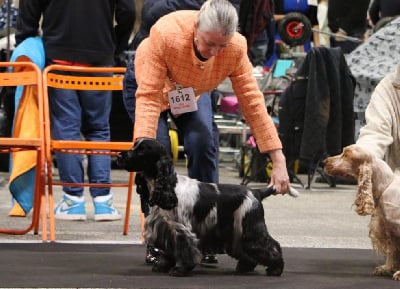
71, 208
104, 209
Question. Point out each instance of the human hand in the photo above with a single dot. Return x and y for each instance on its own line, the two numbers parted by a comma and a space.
280, 180
339, 35
279, 175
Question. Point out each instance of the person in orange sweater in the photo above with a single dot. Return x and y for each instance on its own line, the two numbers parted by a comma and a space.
187, 54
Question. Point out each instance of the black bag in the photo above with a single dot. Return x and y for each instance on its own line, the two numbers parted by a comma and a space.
6, 118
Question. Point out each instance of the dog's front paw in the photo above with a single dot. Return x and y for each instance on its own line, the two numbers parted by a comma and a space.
159, 268
180, 271
383, 270
244, 267
396, 276
162, 265
275, 270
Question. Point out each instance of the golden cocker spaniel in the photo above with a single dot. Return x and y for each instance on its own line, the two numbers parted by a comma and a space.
379, 196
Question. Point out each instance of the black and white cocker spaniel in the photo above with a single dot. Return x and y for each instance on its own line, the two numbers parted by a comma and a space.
189, 217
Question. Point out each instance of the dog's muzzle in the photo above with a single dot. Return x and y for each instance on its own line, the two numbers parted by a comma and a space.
126, 161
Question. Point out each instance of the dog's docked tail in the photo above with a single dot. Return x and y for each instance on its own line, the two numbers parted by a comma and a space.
262, 193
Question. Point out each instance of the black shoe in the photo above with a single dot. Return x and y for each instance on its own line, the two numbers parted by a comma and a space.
209, 260
152, 254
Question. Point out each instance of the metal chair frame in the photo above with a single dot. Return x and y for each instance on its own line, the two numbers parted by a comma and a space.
25, 74
52, 78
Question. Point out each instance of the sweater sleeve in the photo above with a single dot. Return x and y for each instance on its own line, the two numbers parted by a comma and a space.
151, 72
376, 136
252, 104
125, 16
28, 19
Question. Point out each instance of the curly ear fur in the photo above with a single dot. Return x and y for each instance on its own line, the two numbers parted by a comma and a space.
163, 194
364, 200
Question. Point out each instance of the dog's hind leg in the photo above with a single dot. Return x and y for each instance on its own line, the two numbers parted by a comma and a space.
268, 252
260, 246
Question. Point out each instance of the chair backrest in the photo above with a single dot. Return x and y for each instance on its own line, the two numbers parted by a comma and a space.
20, 73
24, 74
53, 77
83, 82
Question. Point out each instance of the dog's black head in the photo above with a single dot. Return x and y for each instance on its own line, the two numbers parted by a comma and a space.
150, 157
142, 157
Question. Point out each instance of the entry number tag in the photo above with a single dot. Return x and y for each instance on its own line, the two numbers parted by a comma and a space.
182, 100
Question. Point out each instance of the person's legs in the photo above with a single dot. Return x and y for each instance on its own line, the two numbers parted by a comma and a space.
76, 115
163, 131
130, 87
347, 46
65, 125
96, 107
199, 141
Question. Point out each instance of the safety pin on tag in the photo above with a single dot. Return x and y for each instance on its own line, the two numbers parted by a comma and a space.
178, 86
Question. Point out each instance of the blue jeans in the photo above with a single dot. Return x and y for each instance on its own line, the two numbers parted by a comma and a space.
77, 115
198, 128
200, 139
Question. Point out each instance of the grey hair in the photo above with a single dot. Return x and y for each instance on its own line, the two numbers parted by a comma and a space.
218, 15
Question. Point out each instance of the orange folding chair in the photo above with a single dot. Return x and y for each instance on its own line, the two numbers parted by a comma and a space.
26, 145
53, 78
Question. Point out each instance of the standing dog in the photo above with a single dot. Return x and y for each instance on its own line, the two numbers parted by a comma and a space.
189, 217
378, 195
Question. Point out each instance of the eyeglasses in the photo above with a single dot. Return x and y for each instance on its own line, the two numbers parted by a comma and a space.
210, 43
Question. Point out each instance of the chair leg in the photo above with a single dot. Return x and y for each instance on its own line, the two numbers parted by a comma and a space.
128, 209
291, 167
43, 214
128, 204
50, 199
317, 168
142, 221
37, 203
246, 176
37, 194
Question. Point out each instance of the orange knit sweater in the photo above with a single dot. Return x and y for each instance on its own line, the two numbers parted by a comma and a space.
167, 56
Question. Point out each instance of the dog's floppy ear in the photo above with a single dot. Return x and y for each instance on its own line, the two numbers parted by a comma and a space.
364, 199
163, 194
